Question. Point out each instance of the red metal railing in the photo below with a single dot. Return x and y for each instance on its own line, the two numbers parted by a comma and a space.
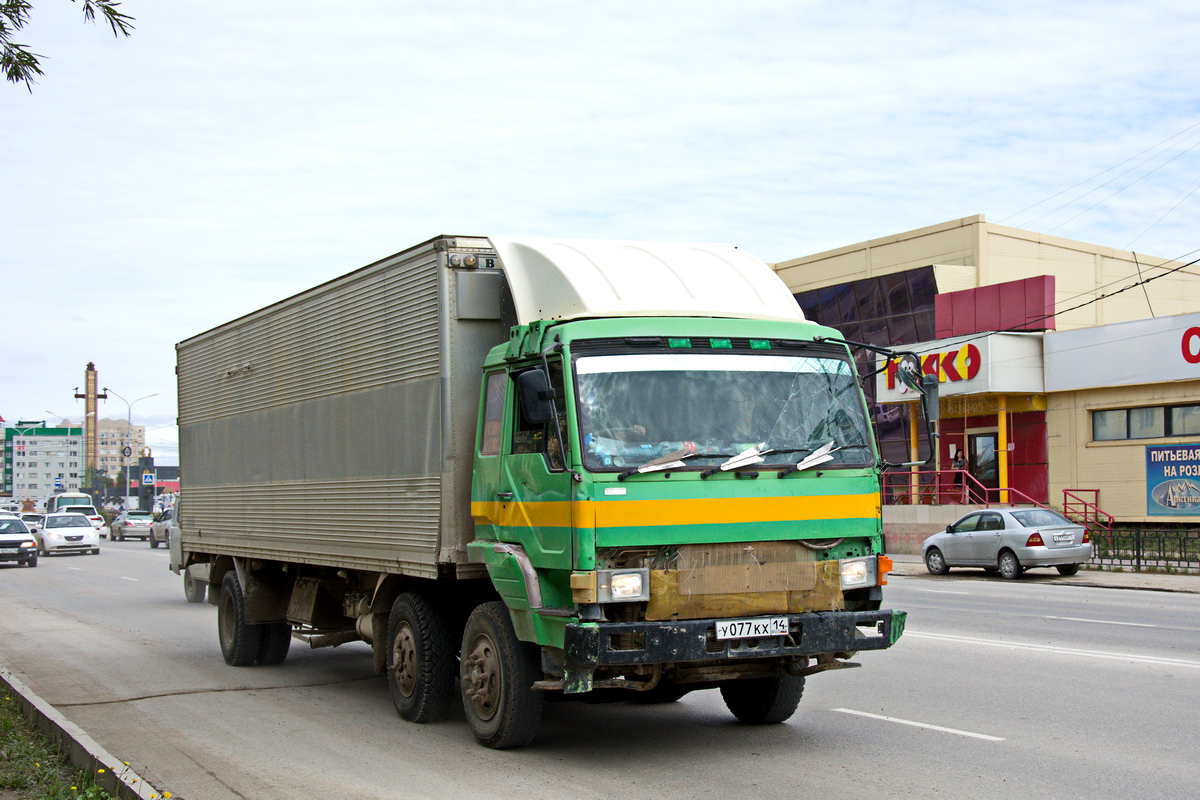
1086, 512
947, 487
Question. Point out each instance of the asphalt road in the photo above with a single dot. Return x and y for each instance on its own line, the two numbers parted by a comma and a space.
997, 690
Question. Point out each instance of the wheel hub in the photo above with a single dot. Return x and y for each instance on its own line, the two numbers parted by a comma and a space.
404, 661
481, 678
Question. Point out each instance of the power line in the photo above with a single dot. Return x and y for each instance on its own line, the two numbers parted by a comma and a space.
1154, 147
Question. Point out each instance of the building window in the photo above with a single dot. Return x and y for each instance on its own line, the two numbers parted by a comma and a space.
1151, 422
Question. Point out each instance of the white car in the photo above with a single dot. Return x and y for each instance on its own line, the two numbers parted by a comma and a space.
91, 513
131, 525
68, 533
160, 531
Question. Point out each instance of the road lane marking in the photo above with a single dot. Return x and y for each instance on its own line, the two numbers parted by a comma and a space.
924, 725
940, 591
135, 580
1047, 648
77, 569
1105, 622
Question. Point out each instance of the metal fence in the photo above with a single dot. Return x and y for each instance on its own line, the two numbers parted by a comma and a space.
1142, 549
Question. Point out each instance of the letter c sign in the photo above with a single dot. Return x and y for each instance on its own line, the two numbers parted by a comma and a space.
1191, 345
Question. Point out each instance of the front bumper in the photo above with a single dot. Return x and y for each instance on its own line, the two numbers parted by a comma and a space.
588, 645
73, 544
22, 554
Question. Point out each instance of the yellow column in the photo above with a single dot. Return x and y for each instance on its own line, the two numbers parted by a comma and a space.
1002, 445
914, 448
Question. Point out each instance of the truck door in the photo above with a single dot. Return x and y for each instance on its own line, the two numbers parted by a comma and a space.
534, 488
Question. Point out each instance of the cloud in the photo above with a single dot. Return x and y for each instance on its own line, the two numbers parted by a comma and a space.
228, 154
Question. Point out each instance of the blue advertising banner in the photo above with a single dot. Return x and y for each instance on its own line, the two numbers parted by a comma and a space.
1173, 480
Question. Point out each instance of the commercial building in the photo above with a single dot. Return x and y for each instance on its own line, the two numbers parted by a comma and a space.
40, 460
1069, 372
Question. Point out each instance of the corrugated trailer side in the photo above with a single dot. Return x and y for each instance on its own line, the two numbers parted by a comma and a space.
336, 427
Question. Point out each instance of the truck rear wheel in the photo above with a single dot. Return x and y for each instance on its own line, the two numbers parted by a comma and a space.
239, 639
498, 672
193, 589
420, 659
763, 701
274, 641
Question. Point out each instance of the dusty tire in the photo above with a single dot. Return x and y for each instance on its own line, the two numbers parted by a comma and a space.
1068, 569
153, 542
763, 701
420, 659
498, 672
935, 562
31, 562
239, 639
1010, 566
193, 589
274, 641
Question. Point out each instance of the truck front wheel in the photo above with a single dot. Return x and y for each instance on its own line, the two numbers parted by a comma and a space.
498, 673
193, 589
420, 659
762, 701
239, 639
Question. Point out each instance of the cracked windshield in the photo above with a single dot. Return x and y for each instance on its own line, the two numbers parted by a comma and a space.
707, 408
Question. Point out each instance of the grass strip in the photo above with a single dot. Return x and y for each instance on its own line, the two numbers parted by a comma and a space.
30, 767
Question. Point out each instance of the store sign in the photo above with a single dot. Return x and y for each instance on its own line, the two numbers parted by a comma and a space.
960, 364
1173, 480
1157, 350
996, 363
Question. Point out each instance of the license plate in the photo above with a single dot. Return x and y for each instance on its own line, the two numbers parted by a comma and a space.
752, 628
9, 551
1064, 537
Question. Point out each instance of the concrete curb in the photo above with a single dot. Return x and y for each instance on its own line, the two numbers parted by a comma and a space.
80, 749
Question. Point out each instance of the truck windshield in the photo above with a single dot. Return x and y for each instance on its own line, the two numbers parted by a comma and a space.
637, 407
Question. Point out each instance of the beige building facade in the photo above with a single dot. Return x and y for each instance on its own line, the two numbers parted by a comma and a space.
113, 436
1116, 397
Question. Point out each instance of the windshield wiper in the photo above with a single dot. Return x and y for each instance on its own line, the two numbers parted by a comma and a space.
669, 461
747, 458
819, 456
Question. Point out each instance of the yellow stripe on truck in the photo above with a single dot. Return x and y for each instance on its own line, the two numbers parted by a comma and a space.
637, 513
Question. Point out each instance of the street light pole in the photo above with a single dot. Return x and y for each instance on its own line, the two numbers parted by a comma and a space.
128, 435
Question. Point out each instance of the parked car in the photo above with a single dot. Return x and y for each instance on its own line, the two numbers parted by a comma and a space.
16, 542
1009, 541
160, 531
91, 513
68, 533
34, 521
131, 525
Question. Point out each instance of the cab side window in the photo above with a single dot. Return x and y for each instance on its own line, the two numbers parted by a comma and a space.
493, 415
529, 437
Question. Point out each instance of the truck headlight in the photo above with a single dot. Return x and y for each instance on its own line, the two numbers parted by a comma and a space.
622, 585
858, 572
625, 585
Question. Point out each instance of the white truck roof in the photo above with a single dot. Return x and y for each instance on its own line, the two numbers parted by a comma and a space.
564, 279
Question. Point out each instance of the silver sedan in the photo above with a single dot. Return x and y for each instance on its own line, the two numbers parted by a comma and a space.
1009, 541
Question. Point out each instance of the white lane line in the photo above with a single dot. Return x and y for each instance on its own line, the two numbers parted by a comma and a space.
135, 580
77, 569
1105, 622
1046, 648
940, 591
926, 726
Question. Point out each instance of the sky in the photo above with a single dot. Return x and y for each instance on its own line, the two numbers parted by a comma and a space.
229, 154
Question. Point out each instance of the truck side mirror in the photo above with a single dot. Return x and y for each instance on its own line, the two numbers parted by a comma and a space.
536, 396
929, 398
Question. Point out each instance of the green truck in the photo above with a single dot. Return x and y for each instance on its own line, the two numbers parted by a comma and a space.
529, 470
